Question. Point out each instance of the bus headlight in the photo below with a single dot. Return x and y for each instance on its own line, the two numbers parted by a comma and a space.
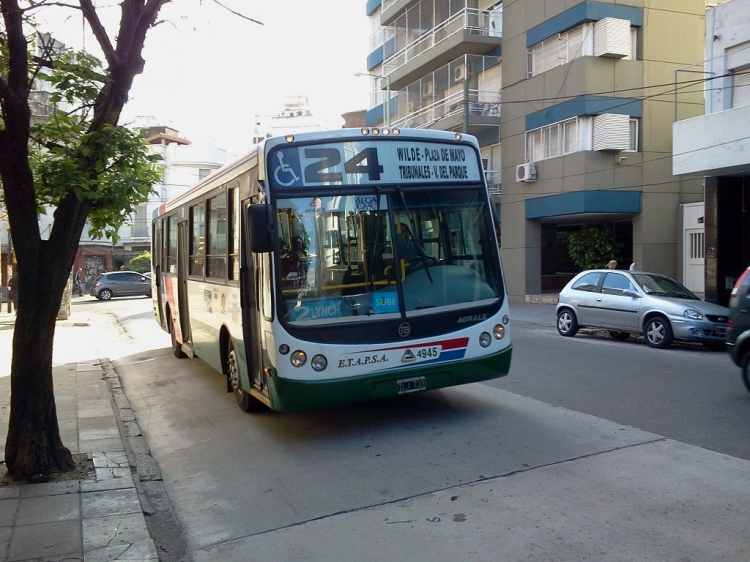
485, 339
283, 349
499, 331
319, 362
298, 358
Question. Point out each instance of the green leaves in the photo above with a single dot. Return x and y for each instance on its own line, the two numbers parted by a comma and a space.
76, 78
112, 168
592, 247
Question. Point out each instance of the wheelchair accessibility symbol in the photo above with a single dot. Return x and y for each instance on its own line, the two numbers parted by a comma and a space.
284, 173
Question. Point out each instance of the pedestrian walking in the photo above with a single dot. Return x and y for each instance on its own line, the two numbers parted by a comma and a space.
13, 293
78, 281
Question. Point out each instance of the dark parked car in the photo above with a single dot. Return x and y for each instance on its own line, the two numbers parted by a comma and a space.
638, 302
120, 284
738, 331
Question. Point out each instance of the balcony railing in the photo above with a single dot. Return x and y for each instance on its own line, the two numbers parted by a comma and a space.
475, 21
423, 117
494, 181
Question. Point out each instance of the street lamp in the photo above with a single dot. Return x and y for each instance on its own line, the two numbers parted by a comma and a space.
387, 93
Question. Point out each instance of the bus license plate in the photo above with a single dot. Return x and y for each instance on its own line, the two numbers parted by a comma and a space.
414, 384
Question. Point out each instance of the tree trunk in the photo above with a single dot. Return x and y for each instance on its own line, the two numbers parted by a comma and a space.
33, 446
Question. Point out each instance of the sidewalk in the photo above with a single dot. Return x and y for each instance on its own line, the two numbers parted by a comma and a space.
98, 518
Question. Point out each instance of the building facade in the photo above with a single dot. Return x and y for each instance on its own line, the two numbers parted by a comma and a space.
572, 102
716, 146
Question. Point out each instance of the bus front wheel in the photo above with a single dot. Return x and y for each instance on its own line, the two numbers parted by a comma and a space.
246, 402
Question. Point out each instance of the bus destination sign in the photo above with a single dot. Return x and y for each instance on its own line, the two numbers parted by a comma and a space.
373, 162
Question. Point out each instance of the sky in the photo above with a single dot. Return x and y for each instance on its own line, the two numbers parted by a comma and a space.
208, 72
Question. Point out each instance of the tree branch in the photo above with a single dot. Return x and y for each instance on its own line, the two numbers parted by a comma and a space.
89, 12
243, 16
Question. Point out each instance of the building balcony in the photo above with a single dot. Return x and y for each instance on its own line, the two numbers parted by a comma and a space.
470, 31
451, 108
715, 144
494, 181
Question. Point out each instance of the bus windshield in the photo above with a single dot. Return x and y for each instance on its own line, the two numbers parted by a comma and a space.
347, 258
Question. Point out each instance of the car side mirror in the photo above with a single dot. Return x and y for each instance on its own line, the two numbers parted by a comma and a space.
631, 294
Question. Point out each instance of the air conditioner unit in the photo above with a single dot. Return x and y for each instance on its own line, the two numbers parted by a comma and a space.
459, 73
426, 89
526, 172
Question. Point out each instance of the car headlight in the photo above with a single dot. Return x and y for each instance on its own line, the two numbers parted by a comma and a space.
692, 314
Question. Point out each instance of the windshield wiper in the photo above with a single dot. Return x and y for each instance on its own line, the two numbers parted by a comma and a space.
422, 256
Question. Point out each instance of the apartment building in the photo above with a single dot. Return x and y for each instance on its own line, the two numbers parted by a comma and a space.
717, 146
438, 64
573, 103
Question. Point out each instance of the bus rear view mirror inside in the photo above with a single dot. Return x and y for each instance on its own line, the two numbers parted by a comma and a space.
259, 228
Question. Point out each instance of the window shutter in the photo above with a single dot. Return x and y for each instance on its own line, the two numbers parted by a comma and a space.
612, 38
611, 132
741, 86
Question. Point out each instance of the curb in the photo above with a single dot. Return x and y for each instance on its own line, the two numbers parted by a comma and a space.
160, 517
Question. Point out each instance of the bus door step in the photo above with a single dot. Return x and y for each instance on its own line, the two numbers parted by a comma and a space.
187, 349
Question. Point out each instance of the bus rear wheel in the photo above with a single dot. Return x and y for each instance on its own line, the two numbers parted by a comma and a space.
244, 400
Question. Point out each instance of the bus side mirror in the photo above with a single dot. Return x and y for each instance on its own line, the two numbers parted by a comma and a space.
260, 225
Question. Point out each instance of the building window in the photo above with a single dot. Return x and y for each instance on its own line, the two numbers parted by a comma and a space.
697, 245
234, 235
633, 134
553, 140
741, 86
575, 43
198, 239
561, 49
170, 244
565, 137
217, 223
203, 173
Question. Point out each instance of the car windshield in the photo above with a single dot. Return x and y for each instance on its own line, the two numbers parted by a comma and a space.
661, 286
349, 258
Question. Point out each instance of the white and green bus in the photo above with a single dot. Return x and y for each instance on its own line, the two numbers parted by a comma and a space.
335, 267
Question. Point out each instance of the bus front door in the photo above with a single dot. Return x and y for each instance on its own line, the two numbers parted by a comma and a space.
251, 279
183, 264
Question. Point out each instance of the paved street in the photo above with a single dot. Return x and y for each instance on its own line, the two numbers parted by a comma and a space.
480, 472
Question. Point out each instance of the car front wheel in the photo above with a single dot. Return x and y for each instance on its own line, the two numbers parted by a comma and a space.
658, 332
567, 325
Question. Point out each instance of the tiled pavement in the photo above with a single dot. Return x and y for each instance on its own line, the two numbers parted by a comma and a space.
99, 518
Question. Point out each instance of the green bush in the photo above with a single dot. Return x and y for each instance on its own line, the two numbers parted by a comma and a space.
592, 247
140, 263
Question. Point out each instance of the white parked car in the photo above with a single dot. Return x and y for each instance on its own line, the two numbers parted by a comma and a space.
637, 302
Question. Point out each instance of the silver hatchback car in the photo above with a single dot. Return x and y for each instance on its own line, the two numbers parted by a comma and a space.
636, 302
120, 284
